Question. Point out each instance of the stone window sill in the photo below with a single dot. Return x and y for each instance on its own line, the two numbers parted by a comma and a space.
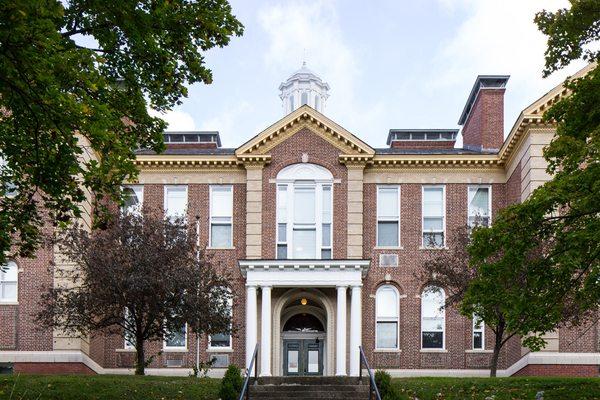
433, 248
175, 350
479, 351
390, 248
125, 350
219, 350
387, 350
220, 248
434, 351
9, 303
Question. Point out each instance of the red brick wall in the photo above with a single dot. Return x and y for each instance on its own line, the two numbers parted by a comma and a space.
103, 347
484, 127
52, 368
559, 370
319, 152
18, 330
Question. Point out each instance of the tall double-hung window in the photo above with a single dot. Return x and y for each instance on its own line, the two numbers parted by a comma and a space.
388, 216
387, 310
304, 212
480, 205
221, 216
434, 216
433, 318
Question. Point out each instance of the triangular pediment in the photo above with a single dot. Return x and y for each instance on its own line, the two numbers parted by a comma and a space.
304, 117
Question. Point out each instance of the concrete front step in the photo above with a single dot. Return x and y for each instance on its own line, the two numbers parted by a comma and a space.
309, 388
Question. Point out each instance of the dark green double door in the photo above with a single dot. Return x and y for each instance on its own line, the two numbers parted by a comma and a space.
302, 357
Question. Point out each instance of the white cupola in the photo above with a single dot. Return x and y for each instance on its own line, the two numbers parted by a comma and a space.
303, 87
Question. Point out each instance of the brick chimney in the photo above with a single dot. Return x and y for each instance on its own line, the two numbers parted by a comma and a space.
482, 118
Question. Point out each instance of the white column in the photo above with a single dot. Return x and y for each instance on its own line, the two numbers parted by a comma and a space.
265, 332
355, 330
251, 320
340, 338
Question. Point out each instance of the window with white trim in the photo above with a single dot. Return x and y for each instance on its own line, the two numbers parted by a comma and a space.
9, 277
433, 318
478, 333
133, 199
304, 212
176, 201
128, 337
221, 216
434, 216
480, 205
388, 216
221, 340
176, 340
387, 312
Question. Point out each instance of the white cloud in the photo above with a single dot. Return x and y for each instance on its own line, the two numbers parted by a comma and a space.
228, 122
311, 30
176, 120
498, 37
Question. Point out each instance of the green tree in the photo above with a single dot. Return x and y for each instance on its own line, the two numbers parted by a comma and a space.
76, 80
538, 266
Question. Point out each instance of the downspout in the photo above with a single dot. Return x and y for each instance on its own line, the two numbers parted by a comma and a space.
198, 260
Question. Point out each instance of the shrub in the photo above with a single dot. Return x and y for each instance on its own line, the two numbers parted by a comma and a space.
384, 384
231, 385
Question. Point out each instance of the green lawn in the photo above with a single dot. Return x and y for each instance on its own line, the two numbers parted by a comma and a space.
499, 388
102, 387
106, 387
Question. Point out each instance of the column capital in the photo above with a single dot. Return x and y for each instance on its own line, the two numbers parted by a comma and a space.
341, 286
251, 286
356, 286
266, 286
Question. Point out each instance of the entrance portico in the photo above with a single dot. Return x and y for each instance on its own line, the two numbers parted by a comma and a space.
340, 278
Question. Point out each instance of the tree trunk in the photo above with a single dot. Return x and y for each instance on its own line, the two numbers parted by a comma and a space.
497, 346
140, 363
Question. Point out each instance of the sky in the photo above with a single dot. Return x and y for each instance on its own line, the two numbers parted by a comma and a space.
389, 63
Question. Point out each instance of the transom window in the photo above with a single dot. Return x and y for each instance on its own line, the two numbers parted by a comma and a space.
221, 216
433, 318
8, 282
388, 216
480, 206
434, 216
387, 311
304, 212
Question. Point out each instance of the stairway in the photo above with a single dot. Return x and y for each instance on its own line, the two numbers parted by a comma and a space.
309, 388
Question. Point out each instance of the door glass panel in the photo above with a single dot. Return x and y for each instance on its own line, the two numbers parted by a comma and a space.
313, 361
292, 366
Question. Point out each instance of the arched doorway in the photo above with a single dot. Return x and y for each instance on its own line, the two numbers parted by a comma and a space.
303, 337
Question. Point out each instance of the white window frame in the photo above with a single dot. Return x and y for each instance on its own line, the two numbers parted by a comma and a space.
444, 216
10, 264
489, 188
177, 348
127, 345
219, 348
139, 192
318, 225
388, 319
433, 349
477, 330
211, 221
166, 198
387, 219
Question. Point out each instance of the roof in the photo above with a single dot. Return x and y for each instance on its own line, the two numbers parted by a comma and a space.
187, 151
441, 151
482, 81
393, 131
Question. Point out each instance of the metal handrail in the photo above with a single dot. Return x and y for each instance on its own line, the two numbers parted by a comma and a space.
245, 391
372, 384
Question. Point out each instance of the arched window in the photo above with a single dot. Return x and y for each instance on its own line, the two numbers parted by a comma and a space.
387, 311
304, 98
8, 282
304, 212
433, 318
